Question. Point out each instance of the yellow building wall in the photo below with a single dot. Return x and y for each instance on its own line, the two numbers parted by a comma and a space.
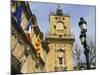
68, 56
55, 45
51, 59
29, 65
66, 22
16, 47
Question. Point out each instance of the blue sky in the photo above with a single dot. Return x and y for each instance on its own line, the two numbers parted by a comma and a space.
42, 11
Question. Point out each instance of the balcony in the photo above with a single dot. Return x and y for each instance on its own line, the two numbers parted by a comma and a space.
22, 34
45, 46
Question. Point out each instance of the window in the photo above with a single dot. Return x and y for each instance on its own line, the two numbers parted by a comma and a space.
60, 61
60, 36
60, 57
56, 18
63, 18
64, 27
54, 26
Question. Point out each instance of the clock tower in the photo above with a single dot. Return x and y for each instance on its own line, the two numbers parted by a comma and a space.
60, 42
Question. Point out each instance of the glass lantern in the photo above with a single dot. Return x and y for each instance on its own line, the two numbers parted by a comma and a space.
83, 25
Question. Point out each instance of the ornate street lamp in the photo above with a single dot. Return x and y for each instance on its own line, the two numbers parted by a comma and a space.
83, 27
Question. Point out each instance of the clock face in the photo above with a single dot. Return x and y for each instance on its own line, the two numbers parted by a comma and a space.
60, 26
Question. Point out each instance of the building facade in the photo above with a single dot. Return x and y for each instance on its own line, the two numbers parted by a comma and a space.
60, 42
30, 52
28, 47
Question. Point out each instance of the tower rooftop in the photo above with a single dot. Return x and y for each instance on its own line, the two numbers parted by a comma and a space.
59, 12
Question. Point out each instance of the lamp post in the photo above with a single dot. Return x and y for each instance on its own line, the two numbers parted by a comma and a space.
83, 27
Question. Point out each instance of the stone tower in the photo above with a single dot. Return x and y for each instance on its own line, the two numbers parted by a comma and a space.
60, 42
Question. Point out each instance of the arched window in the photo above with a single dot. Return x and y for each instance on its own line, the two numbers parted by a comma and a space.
60, 57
